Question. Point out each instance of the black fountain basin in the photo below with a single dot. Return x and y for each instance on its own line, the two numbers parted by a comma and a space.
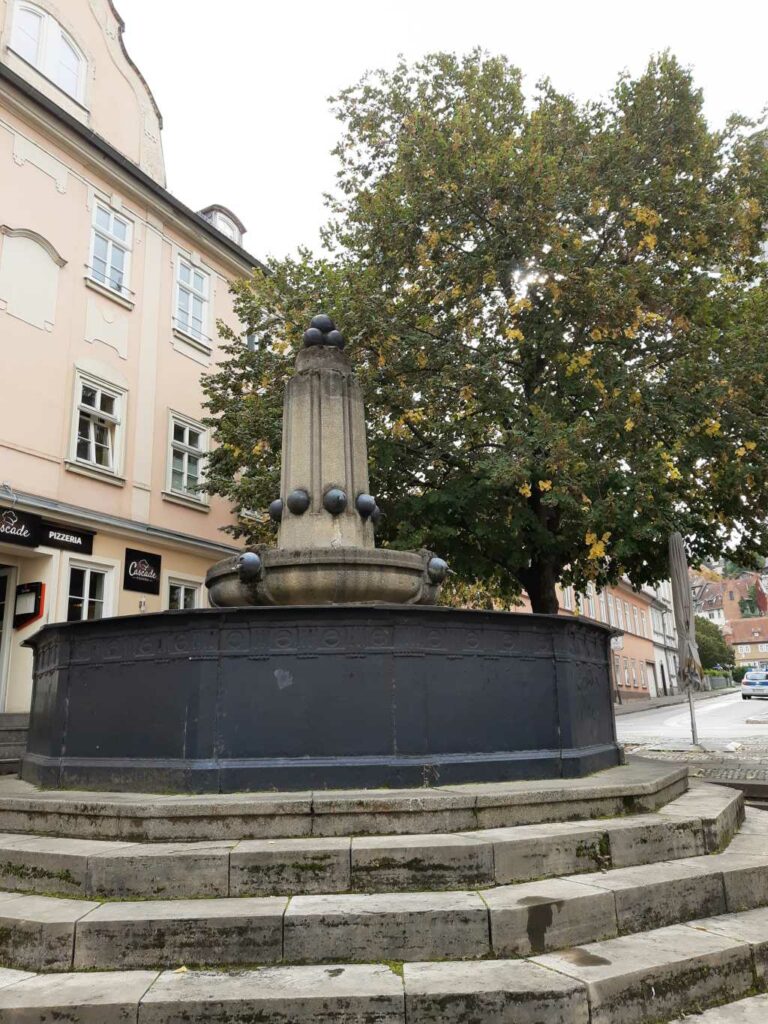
339, 696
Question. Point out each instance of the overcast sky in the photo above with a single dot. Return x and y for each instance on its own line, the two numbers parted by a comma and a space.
243, 84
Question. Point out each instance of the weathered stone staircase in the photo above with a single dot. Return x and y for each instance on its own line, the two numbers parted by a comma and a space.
626, 898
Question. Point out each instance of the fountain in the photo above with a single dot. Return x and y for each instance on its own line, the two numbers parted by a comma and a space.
324, 661
325, 549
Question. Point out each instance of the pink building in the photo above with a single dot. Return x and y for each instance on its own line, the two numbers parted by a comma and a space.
110, 289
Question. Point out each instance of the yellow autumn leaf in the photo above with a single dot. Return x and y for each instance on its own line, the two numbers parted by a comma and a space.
525, 490
629, 424
595, 334
741, 452
712, 427
515, 334
545, 485
421, 359
750, 445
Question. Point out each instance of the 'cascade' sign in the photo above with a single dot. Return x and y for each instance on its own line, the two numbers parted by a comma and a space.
19, 527
142, 571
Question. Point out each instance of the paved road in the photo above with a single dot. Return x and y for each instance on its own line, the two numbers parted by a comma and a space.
719, 720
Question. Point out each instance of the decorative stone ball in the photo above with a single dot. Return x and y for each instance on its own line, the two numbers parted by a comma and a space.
376, 515
322, 323
298, 502
365, 504
313, 336
249, 566
334, 501
437, 569
335, 338
276, 510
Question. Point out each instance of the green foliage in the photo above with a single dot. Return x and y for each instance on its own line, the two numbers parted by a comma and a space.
748, 605
557, 315
712, 645
739, 672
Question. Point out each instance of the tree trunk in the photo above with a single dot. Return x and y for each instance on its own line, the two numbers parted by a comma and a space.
540, 582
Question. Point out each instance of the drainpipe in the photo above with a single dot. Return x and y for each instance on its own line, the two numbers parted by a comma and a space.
666, 647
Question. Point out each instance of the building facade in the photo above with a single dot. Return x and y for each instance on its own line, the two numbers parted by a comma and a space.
110, 291
749, 639
644, 657
634, 656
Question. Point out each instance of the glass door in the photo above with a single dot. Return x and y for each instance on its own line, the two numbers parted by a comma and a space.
6, 629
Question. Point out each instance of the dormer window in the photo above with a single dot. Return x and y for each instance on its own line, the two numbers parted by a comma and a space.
225, 222
41, 41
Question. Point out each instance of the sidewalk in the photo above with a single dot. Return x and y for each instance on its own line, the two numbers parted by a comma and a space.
662, 702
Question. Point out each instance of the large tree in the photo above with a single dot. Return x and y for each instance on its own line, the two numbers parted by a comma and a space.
714, 650
556, 312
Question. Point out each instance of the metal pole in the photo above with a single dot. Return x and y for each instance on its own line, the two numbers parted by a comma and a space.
694, 731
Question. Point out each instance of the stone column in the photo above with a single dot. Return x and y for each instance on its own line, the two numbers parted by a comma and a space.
324, 448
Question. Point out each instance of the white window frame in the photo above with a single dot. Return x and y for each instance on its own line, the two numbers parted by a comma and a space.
186, 584
619, 614
52, 35
762, 648
182, 324
89, 567
116, 421
611, 610
744, 648
178, 419
568, 599
603, 607
112, 241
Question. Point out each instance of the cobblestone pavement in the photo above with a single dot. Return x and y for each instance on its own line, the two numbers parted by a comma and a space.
749, 763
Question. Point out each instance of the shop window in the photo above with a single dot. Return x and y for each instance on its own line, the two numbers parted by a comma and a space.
98, 424
183, 595
41, 41
86, 595
192, 287
111, 240
188, 446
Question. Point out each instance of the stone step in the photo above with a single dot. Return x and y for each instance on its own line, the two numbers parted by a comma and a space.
643, 786
745, 1011
264, 867
655, 976
48, 933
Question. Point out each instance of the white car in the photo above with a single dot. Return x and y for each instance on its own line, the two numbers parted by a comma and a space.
755, 684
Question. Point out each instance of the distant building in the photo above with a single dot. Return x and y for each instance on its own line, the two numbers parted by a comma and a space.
724, 600
110, 290
749, 639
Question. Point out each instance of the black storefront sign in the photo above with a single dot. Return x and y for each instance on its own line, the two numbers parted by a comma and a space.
19, 528
57, 535
142, 571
